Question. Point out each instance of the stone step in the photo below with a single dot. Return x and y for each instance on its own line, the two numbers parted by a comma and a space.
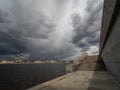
91, 63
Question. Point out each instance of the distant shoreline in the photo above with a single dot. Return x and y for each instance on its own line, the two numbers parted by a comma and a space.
32, 63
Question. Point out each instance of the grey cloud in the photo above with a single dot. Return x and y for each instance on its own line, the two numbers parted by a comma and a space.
35, 29
26, 31
87, 34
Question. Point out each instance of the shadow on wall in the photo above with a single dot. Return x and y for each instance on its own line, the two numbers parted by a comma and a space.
102, 80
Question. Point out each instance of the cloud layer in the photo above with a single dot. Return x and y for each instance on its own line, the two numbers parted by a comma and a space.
49, 29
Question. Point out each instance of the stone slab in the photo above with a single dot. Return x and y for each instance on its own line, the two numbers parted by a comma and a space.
81, 80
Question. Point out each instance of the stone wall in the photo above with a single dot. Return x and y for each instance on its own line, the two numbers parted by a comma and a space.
110, 35
109, 6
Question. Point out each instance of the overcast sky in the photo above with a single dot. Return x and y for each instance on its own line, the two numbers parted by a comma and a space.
49, 29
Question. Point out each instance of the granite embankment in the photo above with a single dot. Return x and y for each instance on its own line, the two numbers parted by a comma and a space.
90, 74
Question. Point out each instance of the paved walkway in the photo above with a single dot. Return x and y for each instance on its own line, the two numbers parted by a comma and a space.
81, 80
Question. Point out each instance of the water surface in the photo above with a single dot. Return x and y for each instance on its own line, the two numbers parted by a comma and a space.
22, 76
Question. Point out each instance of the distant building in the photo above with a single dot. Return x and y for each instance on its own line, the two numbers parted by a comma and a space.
47, 61
38, 61
53, 61
7, 62
20, 58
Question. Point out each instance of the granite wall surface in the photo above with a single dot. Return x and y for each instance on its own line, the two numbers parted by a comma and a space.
110, 37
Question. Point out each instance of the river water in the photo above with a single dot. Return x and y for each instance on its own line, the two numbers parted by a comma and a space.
23, 76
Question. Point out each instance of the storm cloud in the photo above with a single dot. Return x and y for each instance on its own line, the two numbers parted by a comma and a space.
49, 29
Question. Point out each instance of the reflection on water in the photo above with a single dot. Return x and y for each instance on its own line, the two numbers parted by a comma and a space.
22, 76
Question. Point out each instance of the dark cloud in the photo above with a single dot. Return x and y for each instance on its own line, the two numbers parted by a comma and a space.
9, 43
42, 29
25, 33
